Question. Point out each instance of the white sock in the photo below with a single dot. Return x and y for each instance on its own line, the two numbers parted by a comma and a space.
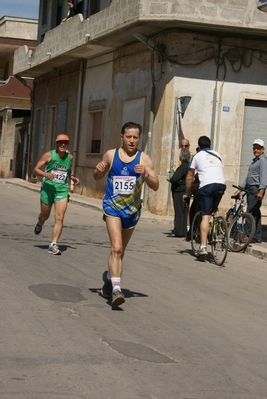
116, 283
187, 228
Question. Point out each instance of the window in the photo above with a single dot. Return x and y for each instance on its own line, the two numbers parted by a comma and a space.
97, 5
96, 123
94, 7
80, 6
44, 14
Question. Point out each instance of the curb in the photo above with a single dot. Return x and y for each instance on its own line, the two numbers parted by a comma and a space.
92, 203
257, 253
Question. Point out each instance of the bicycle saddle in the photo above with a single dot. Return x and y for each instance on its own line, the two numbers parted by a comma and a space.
217, 193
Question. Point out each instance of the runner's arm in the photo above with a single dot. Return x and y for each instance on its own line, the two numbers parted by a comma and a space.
103, 166
147, 171
73, 178
38, 170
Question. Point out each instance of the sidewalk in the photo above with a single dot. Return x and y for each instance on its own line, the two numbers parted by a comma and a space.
256, 250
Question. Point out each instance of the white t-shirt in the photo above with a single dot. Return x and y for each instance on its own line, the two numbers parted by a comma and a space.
208, 167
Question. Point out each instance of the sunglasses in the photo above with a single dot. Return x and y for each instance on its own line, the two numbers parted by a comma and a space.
61, 142
185, 146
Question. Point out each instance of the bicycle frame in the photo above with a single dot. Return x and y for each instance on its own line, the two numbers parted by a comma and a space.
238, 208
217, 237
241, 226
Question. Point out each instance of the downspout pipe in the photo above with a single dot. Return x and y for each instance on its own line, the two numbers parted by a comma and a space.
214, 101
218, 130
77, 123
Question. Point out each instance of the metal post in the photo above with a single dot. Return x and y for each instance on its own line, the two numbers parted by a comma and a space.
149, 138
176, 111
77, 125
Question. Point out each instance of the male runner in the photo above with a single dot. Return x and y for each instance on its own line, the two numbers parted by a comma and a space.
54, 189
127, 169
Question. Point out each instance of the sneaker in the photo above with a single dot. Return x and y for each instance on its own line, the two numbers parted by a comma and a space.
202, 251
37, 229
53, 249
106, 290
117, 298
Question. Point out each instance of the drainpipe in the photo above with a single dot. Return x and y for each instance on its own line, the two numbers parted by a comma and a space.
218, 129
214, 101
77, 124
213, 116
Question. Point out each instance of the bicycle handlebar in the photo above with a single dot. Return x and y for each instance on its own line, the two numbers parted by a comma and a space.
240, 188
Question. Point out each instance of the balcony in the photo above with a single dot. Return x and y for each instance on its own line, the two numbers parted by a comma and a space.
113, 27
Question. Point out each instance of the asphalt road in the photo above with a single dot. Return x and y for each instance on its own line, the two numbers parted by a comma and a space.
188, 329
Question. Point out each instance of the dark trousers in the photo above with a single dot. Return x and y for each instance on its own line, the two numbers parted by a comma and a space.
253, 207
180, 213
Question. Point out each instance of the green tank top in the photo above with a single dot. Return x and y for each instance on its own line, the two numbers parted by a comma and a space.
61, 168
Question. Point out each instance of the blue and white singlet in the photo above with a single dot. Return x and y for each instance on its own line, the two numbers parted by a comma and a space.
123, 188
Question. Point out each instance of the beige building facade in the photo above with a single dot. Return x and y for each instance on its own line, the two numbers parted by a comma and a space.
143, 61
15, 97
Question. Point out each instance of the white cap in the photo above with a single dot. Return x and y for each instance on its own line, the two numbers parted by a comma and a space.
259, 142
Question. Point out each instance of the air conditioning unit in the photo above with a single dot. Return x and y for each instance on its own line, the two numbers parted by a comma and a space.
262, 5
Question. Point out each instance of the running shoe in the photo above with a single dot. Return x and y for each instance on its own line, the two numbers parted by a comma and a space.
117, 298
202, 251
53, 249
37, 229
106, 290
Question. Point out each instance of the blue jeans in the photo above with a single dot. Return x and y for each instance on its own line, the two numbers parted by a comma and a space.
253, 207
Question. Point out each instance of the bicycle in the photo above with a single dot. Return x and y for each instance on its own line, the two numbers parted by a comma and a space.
239, 223
217, 236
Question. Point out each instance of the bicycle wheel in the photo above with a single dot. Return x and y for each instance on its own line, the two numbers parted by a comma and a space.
238, 229
229, 216
219, 240
195, 232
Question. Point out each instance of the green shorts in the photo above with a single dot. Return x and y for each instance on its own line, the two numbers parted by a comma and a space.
49, 194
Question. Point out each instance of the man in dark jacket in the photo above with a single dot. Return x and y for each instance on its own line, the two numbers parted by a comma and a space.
178, 189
